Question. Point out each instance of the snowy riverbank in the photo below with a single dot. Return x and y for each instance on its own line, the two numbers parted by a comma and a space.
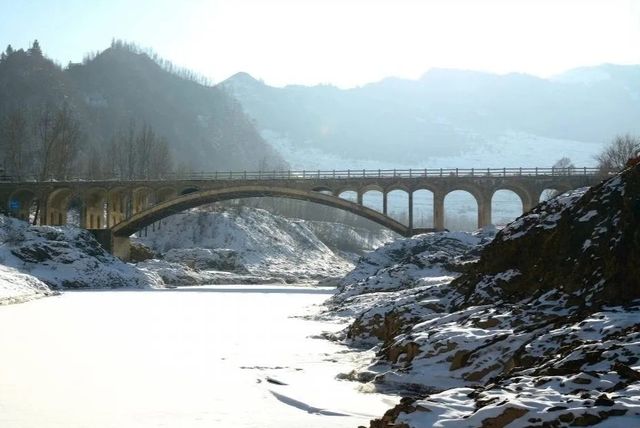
36, 260
539, 327
239, 246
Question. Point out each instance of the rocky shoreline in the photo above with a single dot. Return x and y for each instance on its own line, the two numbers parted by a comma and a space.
538, 327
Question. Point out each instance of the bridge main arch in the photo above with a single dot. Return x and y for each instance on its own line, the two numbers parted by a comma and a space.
195, 199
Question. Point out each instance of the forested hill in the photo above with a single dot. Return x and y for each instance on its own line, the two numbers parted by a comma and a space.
448, 113
123, 88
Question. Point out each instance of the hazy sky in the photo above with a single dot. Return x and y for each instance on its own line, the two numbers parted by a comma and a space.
342, 42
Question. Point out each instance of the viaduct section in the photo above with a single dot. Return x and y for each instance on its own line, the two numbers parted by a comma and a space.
115, 209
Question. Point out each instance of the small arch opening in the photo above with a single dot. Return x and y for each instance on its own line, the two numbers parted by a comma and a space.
398, 206
423, 209
506, 205
24, 204
373, 199
349, 195
460, 211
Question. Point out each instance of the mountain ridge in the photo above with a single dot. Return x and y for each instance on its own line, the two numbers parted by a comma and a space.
444, 113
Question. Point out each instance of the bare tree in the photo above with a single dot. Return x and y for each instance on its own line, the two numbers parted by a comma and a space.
46, 136
125, 149
563, 166
57, 135
160, 163
14, 144
145, 144
67, 143
615, 156
94, 167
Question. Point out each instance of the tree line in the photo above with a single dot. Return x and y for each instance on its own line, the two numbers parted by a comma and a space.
51, 140
49, 143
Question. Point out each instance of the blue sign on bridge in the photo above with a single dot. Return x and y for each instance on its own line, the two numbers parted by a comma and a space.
14, 204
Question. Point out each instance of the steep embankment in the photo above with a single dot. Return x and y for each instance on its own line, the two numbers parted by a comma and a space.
253, 244
543, 330
34, 260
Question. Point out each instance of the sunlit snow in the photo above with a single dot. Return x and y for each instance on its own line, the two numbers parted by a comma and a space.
192, 357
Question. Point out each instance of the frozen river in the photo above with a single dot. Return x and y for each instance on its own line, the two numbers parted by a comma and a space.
192, 357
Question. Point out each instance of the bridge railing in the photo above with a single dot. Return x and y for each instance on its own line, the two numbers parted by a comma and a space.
387, 173
346, 174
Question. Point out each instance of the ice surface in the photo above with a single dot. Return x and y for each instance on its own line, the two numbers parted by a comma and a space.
192, 357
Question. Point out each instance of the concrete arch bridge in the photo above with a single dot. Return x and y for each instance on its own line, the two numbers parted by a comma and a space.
115, 209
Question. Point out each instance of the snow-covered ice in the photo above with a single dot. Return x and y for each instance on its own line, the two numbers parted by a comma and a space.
191, 357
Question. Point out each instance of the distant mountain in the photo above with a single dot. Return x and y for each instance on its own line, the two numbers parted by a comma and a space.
206, 128
448, 113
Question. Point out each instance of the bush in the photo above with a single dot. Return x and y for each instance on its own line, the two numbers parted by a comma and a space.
614, 157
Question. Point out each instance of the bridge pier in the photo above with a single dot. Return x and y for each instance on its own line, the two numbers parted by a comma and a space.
438, 211
410, 213
119, 246
484, 212
385, 203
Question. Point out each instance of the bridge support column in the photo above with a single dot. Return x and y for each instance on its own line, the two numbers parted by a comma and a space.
129, 204
44, 213
84, 217
117, 245
530, 201
484, 213
410, 213
108, 209
438, 211
384, 203
360, 198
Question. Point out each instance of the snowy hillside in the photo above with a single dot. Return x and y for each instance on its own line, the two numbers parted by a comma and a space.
246, 241
37, 259
540, 327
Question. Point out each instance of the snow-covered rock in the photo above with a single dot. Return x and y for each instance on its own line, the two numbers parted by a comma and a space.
63, 257
16, 287
245, 240
180, 274
347, 240
541, 330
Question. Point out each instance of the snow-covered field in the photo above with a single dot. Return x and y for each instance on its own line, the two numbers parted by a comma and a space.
192, 357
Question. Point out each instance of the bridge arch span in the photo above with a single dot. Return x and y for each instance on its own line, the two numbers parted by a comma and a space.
165, 193
191, 200
20, 202
527, 196
396, 187
476, 192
